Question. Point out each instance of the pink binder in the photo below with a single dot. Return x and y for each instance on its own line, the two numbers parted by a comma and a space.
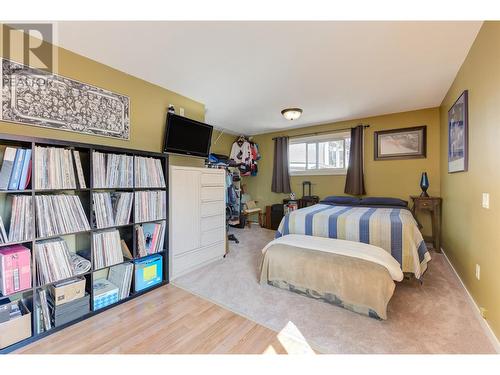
15, 269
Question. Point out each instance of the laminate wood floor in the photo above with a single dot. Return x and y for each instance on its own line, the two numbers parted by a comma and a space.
167, 320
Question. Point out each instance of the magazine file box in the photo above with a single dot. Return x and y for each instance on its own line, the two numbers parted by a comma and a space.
148, 272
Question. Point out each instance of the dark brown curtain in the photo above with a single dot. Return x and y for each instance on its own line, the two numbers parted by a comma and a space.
355, 181
281, 177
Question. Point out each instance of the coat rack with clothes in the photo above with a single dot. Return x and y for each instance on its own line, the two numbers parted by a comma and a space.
233, 193
245, 153
233, 189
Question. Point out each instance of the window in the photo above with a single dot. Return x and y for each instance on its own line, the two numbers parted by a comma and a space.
320, 154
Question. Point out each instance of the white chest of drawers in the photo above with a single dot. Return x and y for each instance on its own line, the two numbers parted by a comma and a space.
197, 230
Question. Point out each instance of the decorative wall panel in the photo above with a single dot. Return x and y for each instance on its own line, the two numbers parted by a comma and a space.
33, 97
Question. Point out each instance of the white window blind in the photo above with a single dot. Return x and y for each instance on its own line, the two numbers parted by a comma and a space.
319, 154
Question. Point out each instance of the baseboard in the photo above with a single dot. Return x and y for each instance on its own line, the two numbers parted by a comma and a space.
483, 322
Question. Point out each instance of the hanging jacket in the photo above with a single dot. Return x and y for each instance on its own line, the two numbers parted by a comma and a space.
241, 154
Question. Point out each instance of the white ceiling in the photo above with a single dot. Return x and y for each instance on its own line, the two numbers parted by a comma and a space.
246, 72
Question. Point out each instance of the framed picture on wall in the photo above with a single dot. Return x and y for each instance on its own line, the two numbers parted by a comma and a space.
406, 143
458, 139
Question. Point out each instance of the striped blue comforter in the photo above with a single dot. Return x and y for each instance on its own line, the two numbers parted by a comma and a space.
393, 229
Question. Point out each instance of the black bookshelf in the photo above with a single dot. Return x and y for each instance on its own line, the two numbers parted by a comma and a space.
85, 195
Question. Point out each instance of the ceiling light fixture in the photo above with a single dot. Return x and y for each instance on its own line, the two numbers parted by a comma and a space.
291, 113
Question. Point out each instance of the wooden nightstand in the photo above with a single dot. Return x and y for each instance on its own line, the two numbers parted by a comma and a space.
433, 206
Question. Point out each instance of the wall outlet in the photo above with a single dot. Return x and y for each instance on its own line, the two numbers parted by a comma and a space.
478, 272
486, 200
181, 111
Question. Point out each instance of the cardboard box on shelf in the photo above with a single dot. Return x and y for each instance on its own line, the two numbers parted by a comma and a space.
105, 293
68, 291
16, 329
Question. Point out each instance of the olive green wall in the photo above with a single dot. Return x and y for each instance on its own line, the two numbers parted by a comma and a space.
220, 145
222, 142
148, 105
389, 178
470, 232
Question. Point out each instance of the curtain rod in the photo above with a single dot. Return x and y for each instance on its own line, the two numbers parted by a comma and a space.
322, 132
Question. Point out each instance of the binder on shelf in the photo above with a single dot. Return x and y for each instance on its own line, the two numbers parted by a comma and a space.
17, 169
7, 165
26, 171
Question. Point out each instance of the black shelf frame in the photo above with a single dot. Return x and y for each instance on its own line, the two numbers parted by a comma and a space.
30, 143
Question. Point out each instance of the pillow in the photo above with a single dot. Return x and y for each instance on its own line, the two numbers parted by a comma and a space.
341, 199
380, 201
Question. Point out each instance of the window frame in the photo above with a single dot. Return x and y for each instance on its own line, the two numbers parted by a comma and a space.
317, 139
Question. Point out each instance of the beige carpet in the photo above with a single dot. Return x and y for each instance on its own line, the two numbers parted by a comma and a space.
435, 317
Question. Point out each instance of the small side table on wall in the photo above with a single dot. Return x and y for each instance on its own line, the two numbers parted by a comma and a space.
433, 206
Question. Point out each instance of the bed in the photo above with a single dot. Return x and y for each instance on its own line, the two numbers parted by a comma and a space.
357, 276
390, 227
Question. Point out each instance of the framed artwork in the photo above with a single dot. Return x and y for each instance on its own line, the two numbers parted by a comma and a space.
458, 138
397, 144
33, 97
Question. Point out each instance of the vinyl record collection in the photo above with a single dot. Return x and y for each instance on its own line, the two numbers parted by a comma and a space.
121, 276
60, 303
72, 229
55, 168
112, 170
53, 261
148, 173
107, 248
112, 209
150, 238
20, 220
150, 205
45, 318
4, 237
60, 214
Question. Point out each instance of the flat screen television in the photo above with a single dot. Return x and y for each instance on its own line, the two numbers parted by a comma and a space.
186, 136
